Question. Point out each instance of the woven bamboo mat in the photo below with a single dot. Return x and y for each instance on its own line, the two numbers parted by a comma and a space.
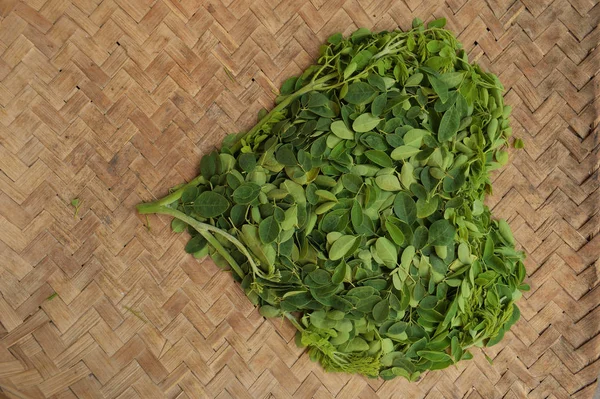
114, 101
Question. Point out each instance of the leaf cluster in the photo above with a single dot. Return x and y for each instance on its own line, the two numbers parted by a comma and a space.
357, 205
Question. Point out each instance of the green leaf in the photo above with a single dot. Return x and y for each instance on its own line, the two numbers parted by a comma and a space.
356, 216
455, 179
405, 208
388, 183
189, 194
426, 208
352, 182
505, 232
269, 311
268, 230
394, 232
380, 158
326, 195
420, 237
359, 93
210, 204
378, 105
317, 99
404, 152
434, 356
295, 190
209, 164
502, 157
247, 162
244, 194
266, 254
381, 311
437, 23
452, 79
414, 137
441, 232
340, 273
340, 129
414, 80
341, 247
449, 124
178, 226
439, 86
195, 244
518, 144
407, 256
495, 263
319, 147
365, 122
387, 252
286, 155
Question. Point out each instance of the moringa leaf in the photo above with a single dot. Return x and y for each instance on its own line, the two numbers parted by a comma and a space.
341, 247
244, 194
441, 232
359, 93
352, 182
268, 230
380, 158
405, 208
365, 123
388, 182
403, 152
449, 124
387, 252
340, 130
210, 204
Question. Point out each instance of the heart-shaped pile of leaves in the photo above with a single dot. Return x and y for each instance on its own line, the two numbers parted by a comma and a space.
355, 207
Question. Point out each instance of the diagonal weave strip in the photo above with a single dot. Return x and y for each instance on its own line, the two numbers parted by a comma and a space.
114, 101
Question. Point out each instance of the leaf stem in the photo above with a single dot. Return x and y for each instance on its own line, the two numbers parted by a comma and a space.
293, 320
205, 230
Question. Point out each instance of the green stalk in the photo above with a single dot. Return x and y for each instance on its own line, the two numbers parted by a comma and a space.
293, 320
205, 230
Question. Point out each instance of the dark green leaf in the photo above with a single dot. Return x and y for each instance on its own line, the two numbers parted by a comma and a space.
246, 193
441, 232
247, 162
455, 179
380, 158
405, 208
285, 155
210, 204
352, 182
359, 93
209, 164
381, 311
449, 124
268, 230
195, 244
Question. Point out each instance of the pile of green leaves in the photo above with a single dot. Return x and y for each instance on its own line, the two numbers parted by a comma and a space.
355, 207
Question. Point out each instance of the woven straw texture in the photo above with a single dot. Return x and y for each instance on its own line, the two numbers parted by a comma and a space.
115, 101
